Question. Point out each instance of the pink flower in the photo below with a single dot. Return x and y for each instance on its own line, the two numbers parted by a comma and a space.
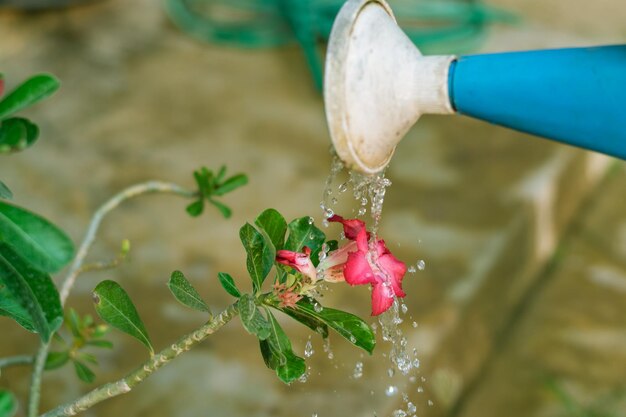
301, 262
379, 268
355, 263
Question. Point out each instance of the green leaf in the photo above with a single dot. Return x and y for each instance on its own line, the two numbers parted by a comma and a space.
73, 322
204, 179
83, 372
302, 232
5, 192
35, 300
349, 326
252, 319
333, 245
185, 293
11, 308
229, 284
279, 356
8, 404
309, 321
274, 225
196, 208
220, 174
224, 209
88, 357
56, 360
115, 307
28, 93
261, 254
17, 134
231, 184
45, 246
104, 344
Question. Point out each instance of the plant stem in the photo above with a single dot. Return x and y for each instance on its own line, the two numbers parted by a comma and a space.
35, 379
116, 200
124, 385
16, 360
75, 270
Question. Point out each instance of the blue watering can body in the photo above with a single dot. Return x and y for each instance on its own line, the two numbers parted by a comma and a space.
575, 96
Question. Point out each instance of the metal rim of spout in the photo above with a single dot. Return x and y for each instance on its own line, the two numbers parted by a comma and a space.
335, 84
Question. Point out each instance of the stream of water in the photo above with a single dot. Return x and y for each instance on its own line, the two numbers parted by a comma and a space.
369, 194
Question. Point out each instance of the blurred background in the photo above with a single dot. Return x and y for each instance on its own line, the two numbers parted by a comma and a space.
521, 308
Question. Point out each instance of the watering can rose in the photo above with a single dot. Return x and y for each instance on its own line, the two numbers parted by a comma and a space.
355, 263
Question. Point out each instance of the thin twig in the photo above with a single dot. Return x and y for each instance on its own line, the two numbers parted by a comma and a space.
134, 191
16, 360
75, 270
126, 384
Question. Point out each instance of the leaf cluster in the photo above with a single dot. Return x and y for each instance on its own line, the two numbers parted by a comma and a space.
31, 248
212, 185
18, 133
84, 333
269, 234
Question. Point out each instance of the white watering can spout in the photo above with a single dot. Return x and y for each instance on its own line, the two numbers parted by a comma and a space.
377, 85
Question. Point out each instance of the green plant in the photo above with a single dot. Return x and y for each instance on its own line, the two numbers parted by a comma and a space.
298, 253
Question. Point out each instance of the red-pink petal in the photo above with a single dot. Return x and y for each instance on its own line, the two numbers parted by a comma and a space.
362, 241
351, 227
299, 261
338, 257
394, 270
382, 298
357, 270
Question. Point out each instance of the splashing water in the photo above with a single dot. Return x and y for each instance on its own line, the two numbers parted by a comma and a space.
369, 193
308, 349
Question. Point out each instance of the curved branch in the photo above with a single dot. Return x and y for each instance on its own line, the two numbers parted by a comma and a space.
126, 384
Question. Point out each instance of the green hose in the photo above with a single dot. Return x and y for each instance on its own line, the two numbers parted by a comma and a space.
453, 26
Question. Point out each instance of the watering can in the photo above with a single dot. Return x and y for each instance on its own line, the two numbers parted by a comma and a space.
377, 85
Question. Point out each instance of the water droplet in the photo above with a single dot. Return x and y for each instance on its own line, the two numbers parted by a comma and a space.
416, 363
352, 339
411, 408
343, 187
311, 220
430, 403
333, 200
328, 213
399, 413
391, 390
411, 269
314, 415
390, 372
318, 307
358, 370
325, 223
415, 324
303, 378
420, 389
421, 265
311, 236
362, 211
308, 349
327, 349
363, 201
404, 308
423, 379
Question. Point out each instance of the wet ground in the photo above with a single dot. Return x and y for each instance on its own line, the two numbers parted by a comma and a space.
520, 308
